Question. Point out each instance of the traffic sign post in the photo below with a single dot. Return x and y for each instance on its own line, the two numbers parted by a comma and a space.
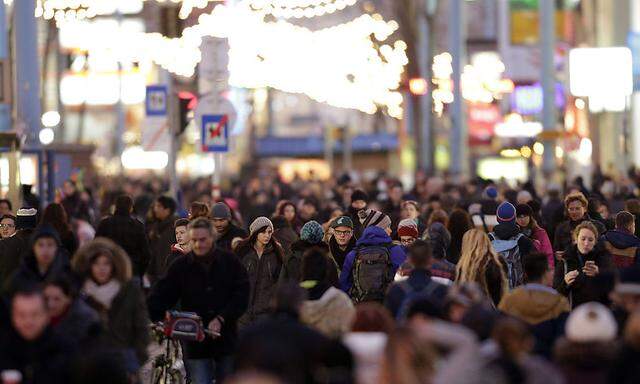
156, 101
157, 134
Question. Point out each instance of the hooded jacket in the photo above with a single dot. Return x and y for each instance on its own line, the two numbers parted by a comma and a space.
509, 230
623, 246
331, 314
543, 308
371, 236
293, 263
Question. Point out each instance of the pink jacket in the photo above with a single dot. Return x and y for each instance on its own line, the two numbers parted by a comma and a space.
543, 245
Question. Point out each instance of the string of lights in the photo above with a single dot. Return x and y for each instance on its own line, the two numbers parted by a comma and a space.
298, 9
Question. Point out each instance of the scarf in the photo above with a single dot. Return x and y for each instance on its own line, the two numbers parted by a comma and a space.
103, 294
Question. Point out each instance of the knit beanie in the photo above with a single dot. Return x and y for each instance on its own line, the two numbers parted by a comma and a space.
523, 210
260, 223
311, 232
375, 218
220, 211
45, 231
359, 194
26, 218
408, 227
591, 322
506, 212
491, 192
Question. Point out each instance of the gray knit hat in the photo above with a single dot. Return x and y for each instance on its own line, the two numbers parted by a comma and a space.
220, 211
312, 232
260, 223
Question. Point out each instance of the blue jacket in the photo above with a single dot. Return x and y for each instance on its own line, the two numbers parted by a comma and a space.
370, 236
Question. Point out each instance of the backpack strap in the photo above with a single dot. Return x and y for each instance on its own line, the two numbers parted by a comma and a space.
492, 236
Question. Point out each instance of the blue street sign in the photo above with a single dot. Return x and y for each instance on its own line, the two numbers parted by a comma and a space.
215, 133
633, 41
156, 101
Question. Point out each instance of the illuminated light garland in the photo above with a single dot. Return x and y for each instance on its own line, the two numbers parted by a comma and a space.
298, 8
341, 65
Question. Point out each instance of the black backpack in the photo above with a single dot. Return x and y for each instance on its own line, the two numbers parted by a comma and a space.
372, 273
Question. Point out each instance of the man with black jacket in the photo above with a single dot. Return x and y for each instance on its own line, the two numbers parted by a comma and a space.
212, 283
128, 233
342, 241
227, 231
161, 236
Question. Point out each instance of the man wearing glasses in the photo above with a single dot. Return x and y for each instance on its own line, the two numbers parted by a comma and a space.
342, 241
7, 226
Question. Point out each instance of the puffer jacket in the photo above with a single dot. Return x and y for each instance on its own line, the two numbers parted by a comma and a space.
263, 272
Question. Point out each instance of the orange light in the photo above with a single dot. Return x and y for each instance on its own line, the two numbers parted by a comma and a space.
418, 86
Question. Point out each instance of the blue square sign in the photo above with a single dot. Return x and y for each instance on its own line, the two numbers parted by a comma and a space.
156, 101
215, 133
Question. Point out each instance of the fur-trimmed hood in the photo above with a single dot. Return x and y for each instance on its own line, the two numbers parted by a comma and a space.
102, 246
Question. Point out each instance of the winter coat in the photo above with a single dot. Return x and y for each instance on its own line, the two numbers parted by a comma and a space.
330, 315
263, 273
507, 231
45, 360
584, 363
443, 270
69, 242
212, 285
12, 251
224, 242
126, 322
584, 288
440, 239
418, 280
542, 244
338, 254
79, 325
623, 246
626, 369
128, 233
175, 253
286, 237
543, 308
161, 236
280, 345
371, 236
563, 237
552, 215
28, 274
291, 268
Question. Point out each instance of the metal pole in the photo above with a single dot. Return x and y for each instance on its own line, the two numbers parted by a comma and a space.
173, 120
635, 97
457, 44
27, 69
547, 48
5, 109
425, 143
120, 122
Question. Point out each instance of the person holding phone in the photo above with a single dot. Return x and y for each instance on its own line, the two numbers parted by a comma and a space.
581, 263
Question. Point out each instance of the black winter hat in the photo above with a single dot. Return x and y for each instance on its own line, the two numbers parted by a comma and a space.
523, 210
43, 231
359, 194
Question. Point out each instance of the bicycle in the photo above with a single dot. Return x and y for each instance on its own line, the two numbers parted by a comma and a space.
178, 326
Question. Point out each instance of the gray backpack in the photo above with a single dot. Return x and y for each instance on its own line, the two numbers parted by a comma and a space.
510, 253
372, 273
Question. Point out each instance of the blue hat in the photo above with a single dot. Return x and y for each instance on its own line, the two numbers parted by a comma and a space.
506, 212
491, 192
312, 232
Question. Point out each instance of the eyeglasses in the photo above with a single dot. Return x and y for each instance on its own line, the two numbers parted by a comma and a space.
342, 233
407, 241
7, 225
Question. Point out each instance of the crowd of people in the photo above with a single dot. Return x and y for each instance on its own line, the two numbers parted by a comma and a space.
326, 281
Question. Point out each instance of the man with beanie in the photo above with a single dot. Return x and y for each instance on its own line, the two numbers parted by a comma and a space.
359, 201
342, 241
14, 248
128, 232
371, 266
227, 231
44, 261
509, 243
311, 236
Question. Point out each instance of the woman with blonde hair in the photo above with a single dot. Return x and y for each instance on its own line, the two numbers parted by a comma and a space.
479, 263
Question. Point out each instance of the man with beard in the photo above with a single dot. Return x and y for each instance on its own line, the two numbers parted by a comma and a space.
226, 230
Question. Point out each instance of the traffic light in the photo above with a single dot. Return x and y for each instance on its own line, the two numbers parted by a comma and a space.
187, 101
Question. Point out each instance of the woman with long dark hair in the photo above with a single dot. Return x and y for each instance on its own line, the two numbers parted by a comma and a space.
288, 209
459, 223
55, 216
262, 257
